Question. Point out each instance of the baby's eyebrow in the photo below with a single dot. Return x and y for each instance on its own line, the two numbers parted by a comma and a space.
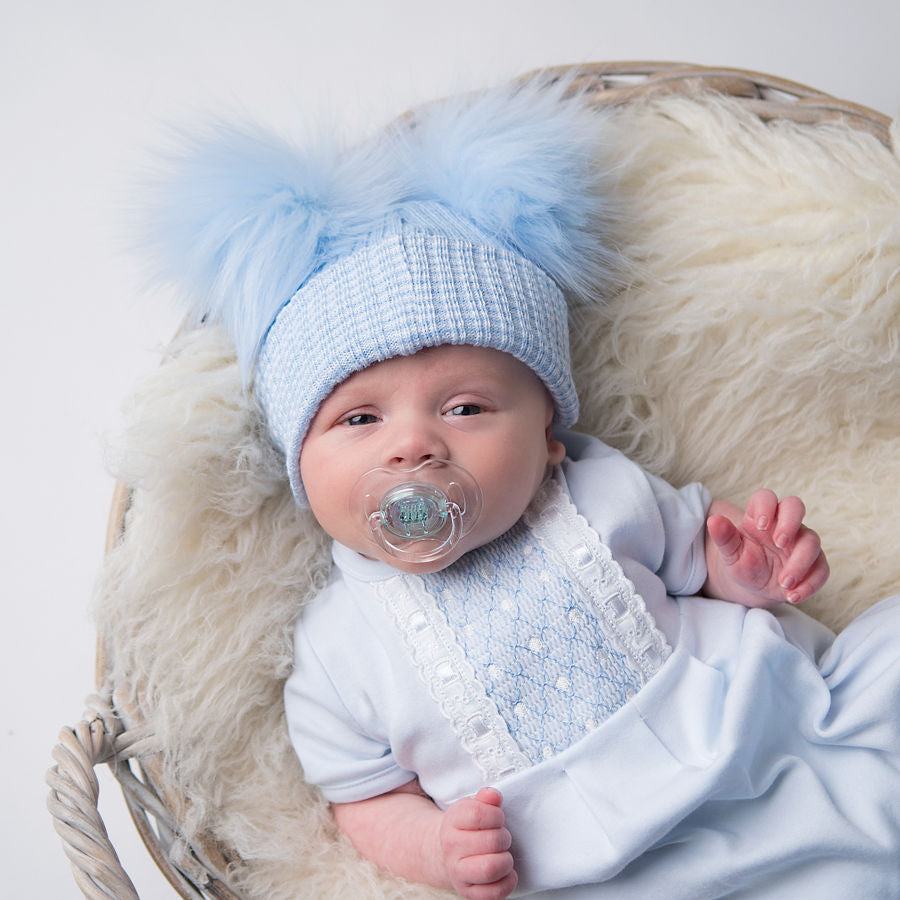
336, 406
347, 395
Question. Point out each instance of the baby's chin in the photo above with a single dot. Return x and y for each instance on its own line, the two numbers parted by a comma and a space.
409, 564
483, 533
412, 567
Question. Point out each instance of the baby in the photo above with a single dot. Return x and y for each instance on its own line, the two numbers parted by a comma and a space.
483, 409
510, 682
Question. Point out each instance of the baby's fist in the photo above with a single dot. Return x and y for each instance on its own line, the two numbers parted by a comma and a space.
475, 843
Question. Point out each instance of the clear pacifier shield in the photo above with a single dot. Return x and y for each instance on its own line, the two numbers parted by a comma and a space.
415, 510
420, 513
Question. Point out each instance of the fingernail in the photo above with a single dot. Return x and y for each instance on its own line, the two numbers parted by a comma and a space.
789, 582
793, 598
762, 523
781, 541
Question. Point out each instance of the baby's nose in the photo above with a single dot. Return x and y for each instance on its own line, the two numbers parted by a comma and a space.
412, 444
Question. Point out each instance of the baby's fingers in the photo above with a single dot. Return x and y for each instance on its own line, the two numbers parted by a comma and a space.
788, 522
761, 511
483, 811
806, 570
489, 875
780, 521
476, 846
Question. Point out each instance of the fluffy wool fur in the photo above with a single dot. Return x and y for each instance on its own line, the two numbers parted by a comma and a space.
758, 344
242, 219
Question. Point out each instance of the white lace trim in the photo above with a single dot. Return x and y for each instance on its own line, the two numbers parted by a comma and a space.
554, 519
450, 677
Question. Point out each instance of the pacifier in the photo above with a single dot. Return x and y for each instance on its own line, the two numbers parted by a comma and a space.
420, 513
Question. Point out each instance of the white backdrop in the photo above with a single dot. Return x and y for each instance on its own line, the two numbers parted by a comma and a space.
85, 89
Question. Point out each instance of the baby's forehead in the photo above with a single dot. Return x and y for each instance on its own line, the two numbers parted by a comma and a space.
450, 361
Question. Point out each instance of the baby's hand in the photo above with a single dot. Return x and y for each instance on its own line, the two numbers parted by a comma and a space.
765, 554
475, 843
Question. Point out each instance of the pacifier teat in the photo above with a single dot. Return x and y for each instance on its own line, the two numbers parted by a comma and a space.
420, 513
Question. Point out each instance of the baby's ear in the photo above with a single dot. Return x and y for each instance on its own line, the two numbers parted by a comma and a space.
556, 451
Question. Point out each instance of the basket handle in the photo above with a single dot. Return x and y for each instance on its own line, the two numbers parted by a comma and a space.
75, 791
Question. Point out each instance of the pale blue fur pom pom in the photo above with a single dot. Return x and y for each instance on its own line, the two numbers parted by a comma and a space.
526, 165
241, 218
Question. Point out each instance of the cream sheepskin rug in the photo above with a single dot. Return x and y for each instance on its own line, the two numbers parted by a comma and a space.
758, 344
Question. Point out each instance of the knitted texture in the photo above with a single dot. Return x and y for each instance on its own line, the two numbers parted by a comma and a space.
397, 295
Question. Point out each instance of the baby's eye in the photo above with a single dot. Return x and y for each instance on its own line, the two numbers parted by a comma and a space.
464, 409
360, 419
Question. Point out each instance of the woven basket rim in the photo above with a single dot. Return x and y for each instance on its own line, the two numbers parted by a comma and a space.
769, 96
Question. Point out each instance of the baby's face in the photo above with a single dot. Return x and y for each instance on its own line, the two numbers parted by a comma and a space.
479, 408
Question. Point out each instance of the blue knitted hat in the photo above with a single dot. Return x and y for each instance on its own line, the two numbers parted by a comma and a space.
462, 225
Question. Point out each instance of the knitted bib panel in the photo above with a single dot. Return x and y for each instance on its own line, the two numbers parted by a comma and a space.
530, 642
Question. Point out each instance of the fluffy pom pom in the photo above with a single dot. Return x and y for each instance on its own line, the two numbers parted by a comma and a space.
242, 218
525, 165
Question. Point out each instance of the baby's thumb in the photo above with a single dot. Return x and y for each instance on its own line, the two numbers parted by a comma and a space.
726, 537
491, 796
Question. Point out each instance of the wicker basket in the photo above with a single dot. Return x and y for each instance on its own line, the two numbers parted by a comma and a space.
121, 740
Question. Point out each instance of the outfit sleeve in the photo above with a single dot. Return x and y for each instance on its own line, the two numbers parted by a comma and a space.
683, 513
640, 517
331, 718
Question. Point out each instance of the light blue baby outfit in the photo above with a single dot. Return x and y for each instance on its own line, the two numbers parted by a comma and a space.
645, 746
